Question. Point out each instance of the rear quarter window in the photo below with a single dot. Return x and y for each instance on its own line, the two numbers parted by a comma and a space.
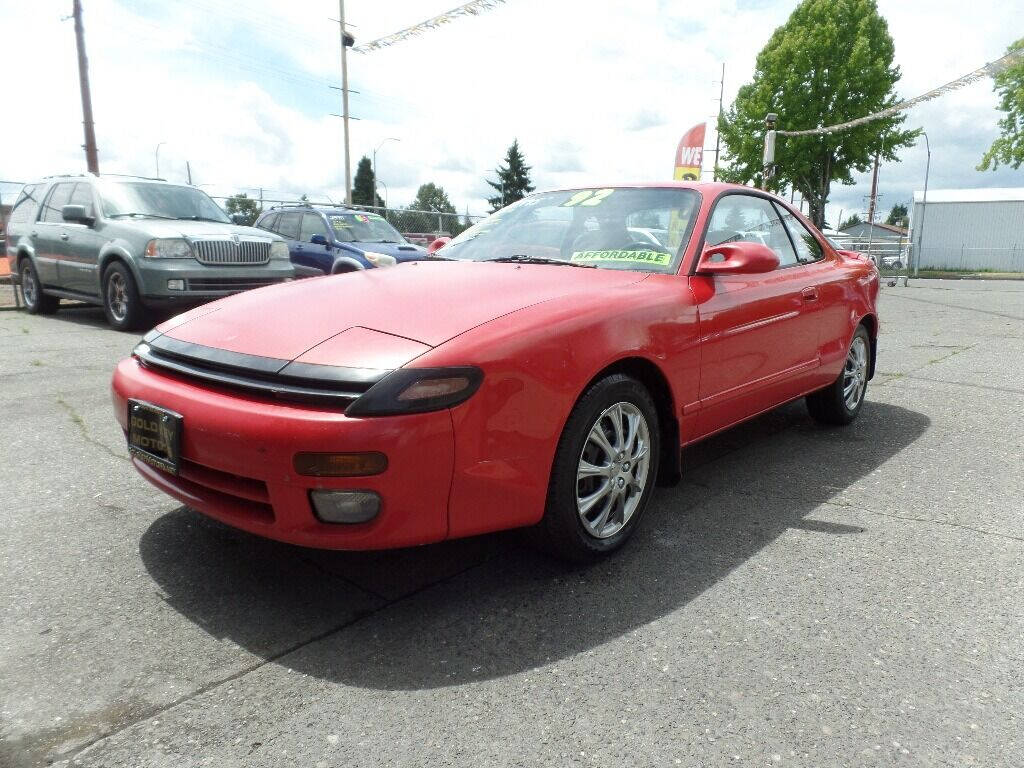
26, 205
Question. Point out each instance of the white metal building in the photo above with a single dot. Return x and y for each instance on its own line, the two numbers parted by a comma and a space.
969, 229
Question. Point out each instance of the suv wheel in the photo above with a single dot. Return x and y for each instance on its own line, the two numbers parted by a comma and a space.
121, 300
36, 302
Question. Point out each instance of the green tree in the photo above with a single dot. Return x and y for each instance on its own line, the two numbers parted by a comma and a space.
362, 184
513, 179
430, 197
829, 63
851, 221
243, 205
1008, 149
898, 216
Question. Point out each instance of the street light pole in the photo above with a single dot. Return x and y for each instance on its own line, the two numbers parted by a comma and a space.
157, 154
924, 207
373, 167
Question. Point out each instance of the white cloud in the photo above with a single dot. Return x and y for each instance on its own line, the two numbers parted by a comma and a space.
594, 90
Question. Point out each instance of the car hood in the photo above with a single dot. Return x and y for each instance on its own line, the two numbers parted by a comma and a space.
382, 318
194, 230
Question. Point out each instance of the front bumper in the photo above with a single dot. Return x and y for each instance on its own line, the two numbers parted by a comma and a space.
237, 453
203, 282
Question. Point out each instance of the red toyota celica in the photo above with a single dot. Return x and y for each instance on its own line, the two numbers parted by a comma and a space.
544, 369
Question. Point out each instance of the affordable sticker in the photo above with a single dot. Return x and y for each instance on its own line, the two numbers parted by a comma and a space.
656, 258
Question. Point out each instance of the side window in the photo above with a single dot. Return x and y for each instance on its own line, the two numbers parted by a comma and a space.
82, 195
58, 198
312, 224
288, 225
752, 219
808, 248
25, 207
269, 222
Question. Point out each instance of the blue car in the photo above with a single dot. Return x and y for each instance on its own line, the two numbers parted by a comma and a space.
327, 241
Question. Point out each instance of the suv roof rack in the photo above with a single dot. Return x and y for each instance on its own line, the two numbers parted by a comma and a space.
67, 175
134, 176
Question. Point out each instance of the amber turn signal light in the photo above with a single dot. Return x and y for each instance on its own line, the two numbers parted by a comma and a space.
340, 464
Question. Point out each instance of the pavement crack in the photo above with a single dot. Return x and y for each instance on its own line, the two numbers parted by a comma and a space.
917, 519
84, 430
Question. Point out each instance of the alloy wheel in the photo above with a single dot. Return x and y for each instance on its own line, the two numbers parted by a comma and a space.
29, 287
613, 470
855, 373
117, 296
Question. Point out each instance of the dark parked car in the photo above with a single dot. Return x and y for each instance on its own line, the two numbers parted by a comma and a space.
327, 241
131, 244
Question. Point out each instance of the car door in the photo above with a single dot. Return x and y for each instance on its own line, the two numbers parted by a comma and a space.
828, 283
314, 255
49, 233
80, 259
759, 344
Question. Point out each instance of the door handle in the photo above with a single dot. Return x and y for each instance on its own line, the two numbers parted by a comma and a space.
809, 294
64, 236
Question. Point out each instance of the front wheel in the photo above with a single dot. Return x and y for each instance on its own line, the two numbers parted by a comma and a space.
841, 401
121, 301
604, 471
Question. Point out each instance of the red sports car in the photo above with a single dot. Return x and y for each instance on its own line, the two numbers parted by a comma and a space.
544, 369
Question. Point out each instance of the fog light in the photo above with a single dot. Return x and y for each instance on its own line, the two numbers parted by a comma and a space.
340, 464
345, 506
175, 285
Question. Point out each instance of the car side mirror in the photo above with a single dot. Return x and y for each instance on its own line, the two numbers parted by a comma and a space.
438, 244
77, 214
319, 240
738, 258
239, 218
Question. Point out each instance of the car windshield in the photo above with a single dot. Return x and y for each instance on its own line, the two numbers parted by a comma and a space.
642, 229
161, 201
363, 228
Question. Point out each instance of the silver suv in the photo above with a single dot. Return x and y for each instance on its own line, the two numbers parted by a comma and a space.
131, 245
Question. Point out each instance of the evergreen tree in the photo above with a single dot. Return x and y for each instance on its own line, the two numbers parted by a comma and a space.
898, 215
513, 179
851, 221
362, 185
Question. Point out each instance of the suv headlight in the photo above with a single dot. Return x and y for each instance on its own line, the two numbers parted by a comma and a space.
169, 248
415, 390
379, 259
279, 250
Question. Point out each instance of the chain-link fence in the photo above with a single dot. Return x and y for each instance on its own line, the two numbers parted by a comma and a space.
420, 227
893, 256
890, 254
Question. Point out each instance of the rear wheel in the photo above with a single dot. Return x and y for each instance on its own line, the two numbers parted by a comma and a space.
36, 302
840, 402
604, 471
121, 301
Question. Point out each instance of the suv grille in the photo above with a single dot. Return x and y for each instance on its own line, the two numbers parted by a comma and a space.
231, 251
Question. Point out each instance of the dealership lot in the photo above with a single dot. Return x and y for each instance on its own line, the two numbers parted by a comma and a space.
806, 596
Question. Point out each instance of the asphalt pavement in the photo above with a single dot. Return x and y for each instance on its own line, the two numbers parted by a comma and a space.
805, 597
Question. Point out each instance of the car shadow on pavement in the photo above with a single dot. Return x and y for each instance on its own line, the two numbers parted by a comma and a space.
487, 607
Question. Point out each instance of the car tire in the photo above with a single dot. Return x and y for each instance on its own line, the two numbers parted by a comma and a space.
121, 301
578, 524
841, 401
36, 302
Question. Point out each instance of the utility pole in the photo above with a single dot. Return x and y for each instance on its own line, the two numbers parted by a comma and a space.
91, 156
874, 193
346, 41
768, 159
718, 136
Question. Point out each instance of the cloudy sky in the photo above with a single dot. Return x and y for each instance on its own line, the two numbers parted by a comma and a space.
594, 90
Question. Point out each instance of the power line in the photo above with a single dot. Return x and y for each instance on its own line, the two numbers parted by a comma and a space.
473, 8
989, 70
